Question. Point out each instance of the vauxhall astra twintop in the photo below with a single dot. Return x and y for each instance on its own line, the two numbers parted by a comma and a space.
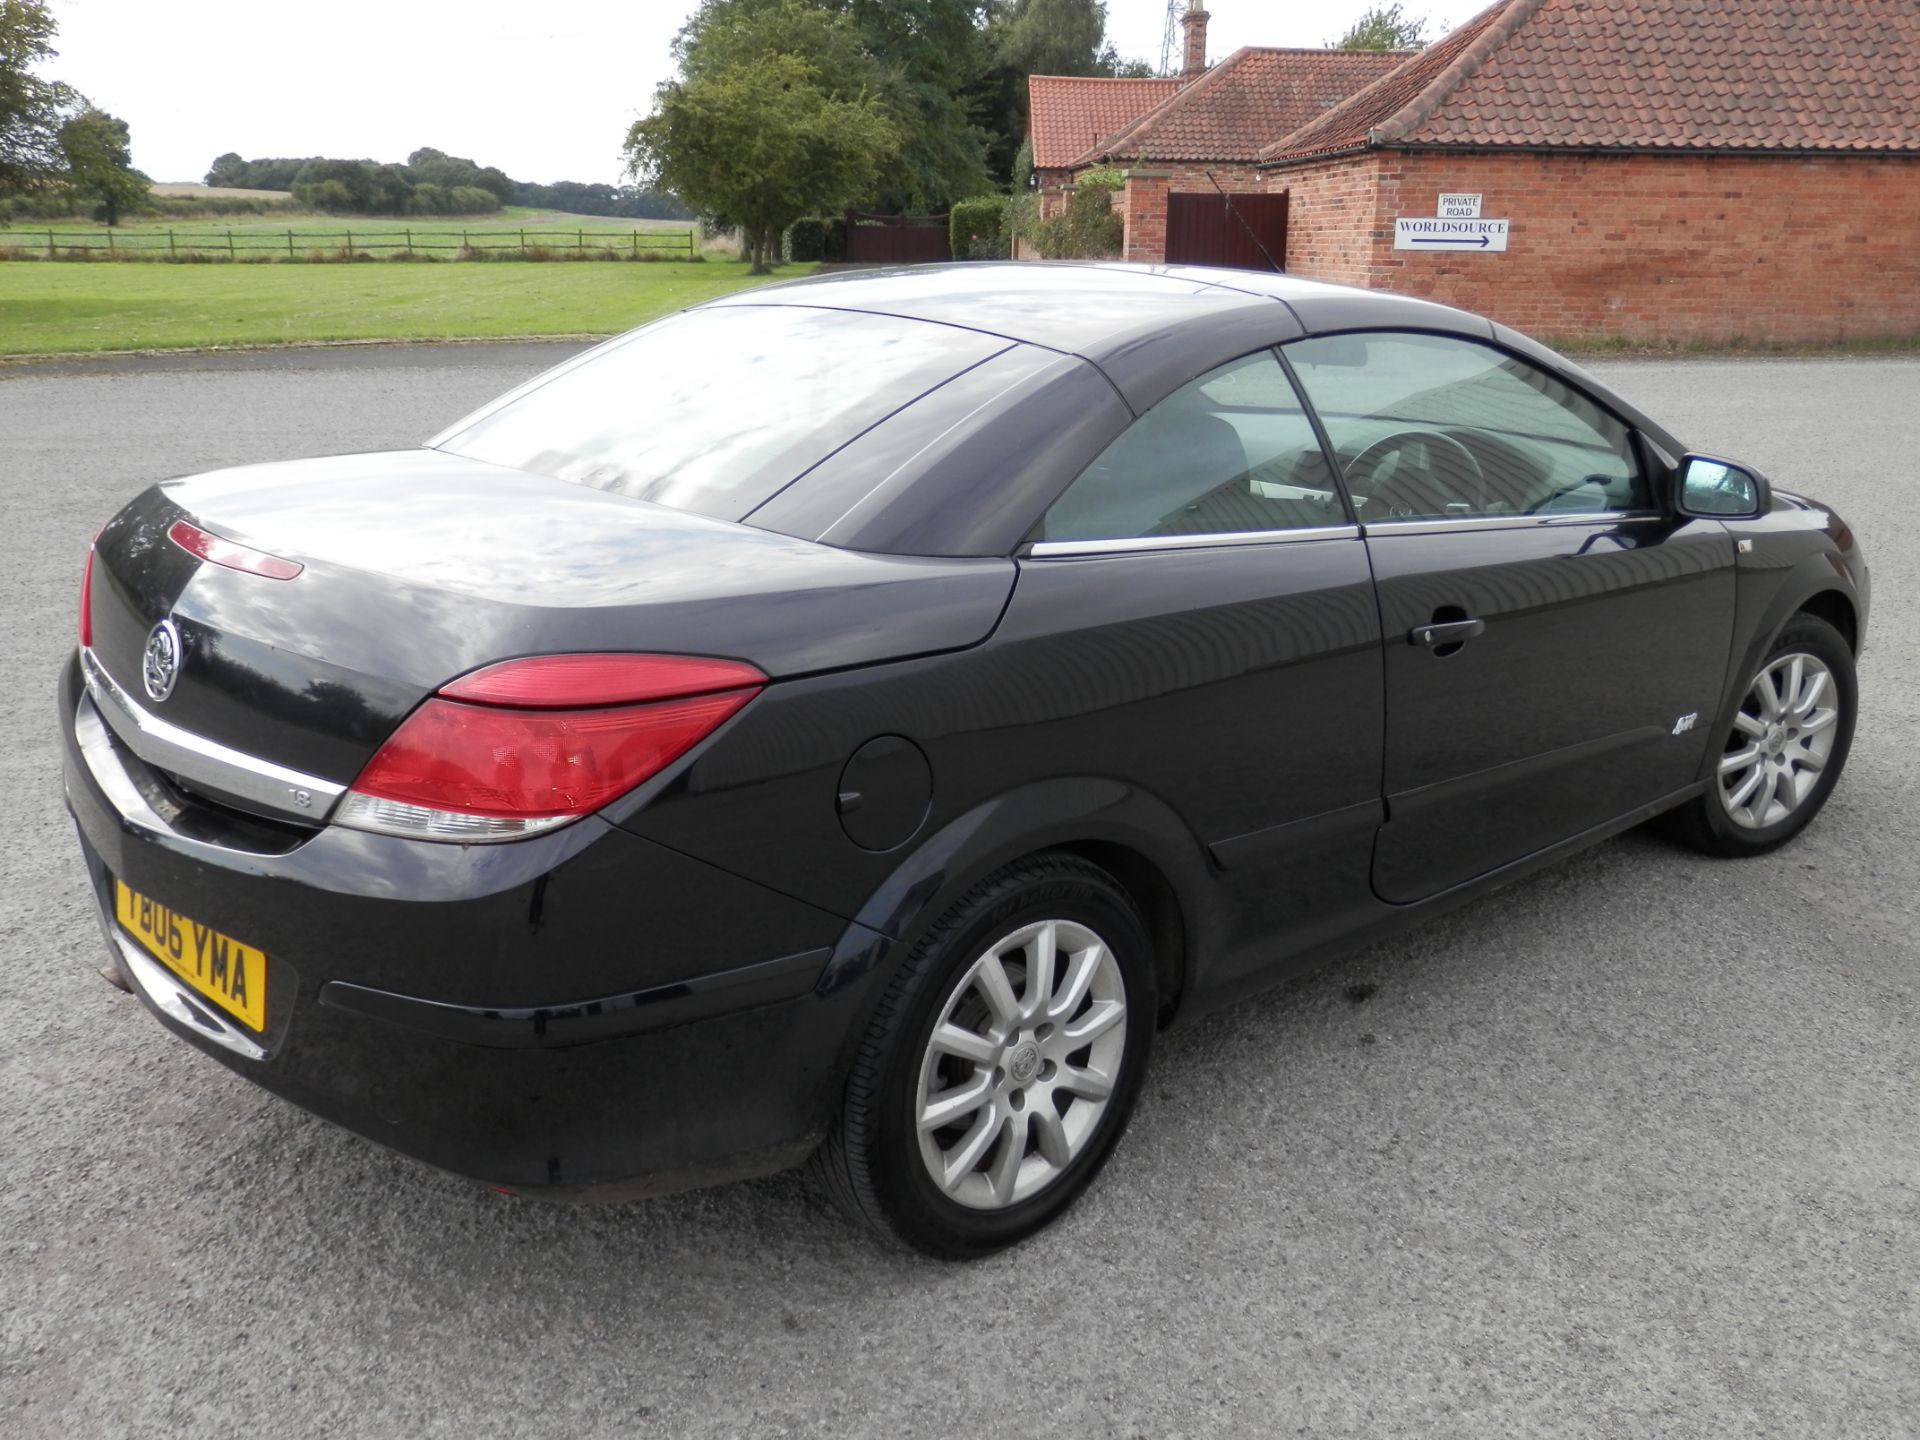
846, 721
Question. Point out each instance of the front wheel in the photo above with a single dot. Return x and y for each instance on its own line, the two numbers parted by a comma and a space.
1785, 749
1001, 1066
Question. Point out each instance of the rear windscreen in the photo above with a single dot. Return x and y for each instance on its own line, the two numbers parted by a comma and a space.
716, 410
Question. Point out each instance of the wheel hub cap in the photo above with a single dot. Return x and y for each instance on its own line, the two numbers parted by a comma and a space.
1023, 1062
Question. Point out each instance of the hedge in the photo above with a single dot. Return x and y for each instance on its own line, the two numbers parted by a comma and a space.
811, 240
977, 228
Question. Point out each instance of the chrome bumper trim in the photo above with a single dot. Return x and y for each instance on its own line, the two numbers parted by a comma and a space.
274, 788
174, 999
96, 749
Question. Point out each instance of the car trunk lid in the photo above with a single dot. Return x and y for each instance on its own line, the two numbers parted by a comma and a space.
418, 566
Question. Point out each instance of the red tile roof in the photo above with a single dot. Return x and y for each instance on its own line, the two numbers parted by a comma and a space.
1840, 75
1068, 113
1245, 102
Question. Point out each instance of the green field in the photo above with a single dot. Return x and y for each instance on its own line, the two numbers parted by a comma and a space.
77, 308
296, 236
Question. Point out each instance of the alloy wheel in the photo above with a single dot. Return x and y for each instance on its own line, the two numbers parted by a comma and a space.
1781, 741
1021, 1064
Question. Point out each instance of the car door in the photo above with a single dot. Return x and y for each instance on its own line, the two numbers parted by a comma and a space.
1195, 616
1554, 637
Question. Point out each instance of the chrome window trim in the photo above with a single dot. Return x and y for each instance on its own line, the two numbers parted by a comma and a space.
1512, 522
199, 760
1066, 549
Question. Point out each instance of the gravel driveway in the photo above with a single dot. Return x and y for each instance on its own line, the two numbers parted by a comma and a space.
1629, 1148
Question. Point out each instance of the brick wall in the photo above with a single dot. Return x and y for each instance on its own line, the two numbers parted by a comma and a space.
1190, 177
1054, 185
1642, 247
1144, 215
1333, 220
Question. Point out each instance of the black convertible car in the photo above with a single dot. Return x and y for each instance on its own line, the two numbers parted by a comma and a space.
848, 719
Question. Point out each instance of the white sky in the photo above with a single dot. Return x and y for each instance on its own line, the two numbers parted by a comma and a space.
545, 89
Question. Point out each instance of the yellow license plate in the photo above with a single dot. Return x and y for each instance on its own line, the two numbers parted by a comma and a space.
230, 974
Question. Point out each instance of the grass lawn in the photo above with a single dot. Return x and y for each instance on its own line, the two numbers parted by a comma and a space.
75, 308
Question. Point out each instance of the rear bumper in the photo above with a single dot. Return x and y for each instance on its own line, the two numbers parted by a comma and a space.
585, 1013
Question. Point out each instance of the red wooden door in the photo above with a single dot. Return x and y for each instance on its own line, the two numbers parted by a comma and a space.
1228, 230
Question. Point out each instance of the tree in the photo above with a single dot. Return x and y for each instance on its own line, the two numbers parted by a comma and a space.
1043, 37
436, 167
927, 62
918, 60
1112, 63
228, 171
763, 144
1385, 27
331, 196
99, 163
775, 117
32, 110
940, 63
430, 199
1050, 37
337, 185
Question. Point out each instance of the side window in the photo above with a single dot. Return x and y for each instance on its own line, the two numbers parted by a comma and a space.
1431, 427
1228, 453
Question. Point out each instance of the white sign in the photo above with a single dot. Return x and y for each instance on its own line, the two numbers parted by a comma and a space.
1421, 233
1458, 207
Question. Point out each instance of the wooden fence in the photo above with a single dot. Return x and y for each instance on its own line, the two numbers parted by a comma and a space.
896, 239
327, 244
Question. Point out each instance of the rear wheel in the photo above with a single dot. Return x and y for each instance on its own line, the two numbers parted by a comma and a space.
1001, 1066
1784, 751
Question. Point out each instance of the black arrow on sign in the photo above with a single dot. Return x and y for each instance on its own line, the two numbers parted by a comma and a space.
1482, 242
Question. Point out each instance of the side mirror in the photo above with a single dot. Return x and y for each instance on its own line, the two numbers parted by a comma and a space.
1720, 490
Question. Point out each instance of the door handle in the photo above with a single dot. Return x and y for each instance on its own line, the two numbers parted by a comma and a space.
1449, 632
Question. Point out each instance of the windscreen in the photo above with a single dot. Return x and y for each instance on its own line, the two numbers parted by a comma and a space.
716, 410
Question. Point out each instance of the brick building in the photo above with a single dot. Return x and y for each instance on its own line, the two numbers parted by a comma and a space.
1205, 125
1671, 169
1069, 115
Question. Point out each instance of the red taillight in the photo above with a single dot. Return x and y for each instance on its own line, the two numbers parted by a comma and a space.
219, 550
534, 764
566, 682
551, 738
86, 600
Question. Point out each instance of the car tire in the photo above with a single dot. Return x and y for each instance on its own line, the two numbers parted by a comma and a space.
1774, 771
923, 1150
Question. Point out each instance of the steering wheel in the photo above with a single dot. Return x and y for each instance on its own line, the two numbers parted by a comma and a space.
1425, 487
